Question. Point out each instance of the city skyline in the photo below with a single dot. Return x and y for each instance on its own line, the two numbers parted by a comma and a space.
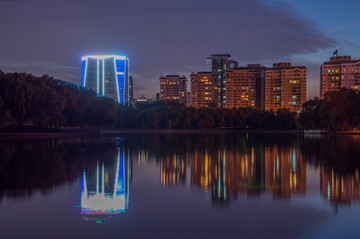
180, 119
50, 38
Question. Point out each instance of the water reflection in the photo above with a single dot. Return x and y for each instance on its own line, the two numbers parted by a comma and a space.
105, 191
228, 165
30, 165
340, 188
285, 171
253, 170
234, 181
222, 165
172, 170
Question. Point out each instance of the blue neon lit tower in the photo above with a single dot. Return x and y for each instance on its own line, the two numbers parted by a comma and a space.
107, 75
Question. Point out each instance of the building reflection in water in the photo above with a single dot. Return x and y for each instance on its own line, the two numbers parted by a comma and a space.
201, 169
285, 171
339, 188
219, 177
237, 171
105, 192
251, 170
143, 156
172, 170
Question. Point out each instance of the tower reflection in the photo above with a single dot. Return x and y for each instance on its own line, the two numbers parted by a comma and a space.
105, 191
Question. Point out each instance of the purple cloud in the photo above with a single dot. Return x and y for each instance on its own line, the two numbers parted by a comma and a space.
159, 37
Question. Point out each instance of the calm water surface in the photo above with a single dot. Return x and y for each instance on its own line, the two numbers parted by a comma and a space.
181, 186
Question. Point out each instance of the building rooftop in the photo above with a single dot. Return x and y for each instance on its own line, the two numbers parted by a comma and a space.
340, 59
172, 76
204, 72
284, 65
217, 55
101, 57
248, 67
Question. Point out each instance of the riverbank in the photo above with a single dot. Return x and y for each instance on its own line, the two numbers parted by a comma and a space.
186, 131
78, 133
45, 135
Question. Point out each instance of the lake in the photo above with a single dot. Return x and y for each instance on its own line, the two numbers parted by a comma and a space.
181, 185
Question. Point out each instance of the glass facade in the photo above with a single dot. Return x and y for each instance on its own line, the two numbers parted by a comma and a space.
107, 75
83, 69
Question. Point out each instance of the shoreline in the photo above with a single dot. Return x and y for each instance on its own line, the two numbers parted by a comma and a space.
59, 134
209, 131
42, 135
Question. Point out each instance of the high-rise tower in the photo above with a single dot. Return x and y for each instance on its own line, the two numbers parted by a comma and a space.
173, 87
107, 75
131, 89
204, 89
339, 72
219, 63
285, 87
245, 87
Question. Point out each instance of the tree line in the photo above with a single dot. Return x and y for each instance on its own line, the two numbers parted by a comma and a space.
46, 103
338, 110
172, 115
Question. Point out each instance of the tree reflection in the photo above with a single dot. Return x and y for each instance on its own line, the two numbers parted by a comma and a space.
30, 165
223, 164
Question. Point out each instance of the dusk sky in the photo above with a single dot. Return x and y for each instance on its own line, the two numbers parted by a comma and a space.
174, 37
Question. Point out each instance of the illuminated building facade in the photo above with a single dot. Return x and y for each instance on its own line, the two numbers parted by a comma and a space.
173, 87
218, 64
107, 75
245, 87
106, 191
339, 72
285, 87
204, 89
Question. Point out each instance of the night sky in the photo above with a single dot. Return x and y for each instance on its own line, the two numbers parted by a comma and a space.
174, 37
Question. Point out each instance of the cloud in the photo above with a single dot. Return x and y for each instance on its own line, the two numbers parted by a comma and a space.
40, 68
159, 37
350, 25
